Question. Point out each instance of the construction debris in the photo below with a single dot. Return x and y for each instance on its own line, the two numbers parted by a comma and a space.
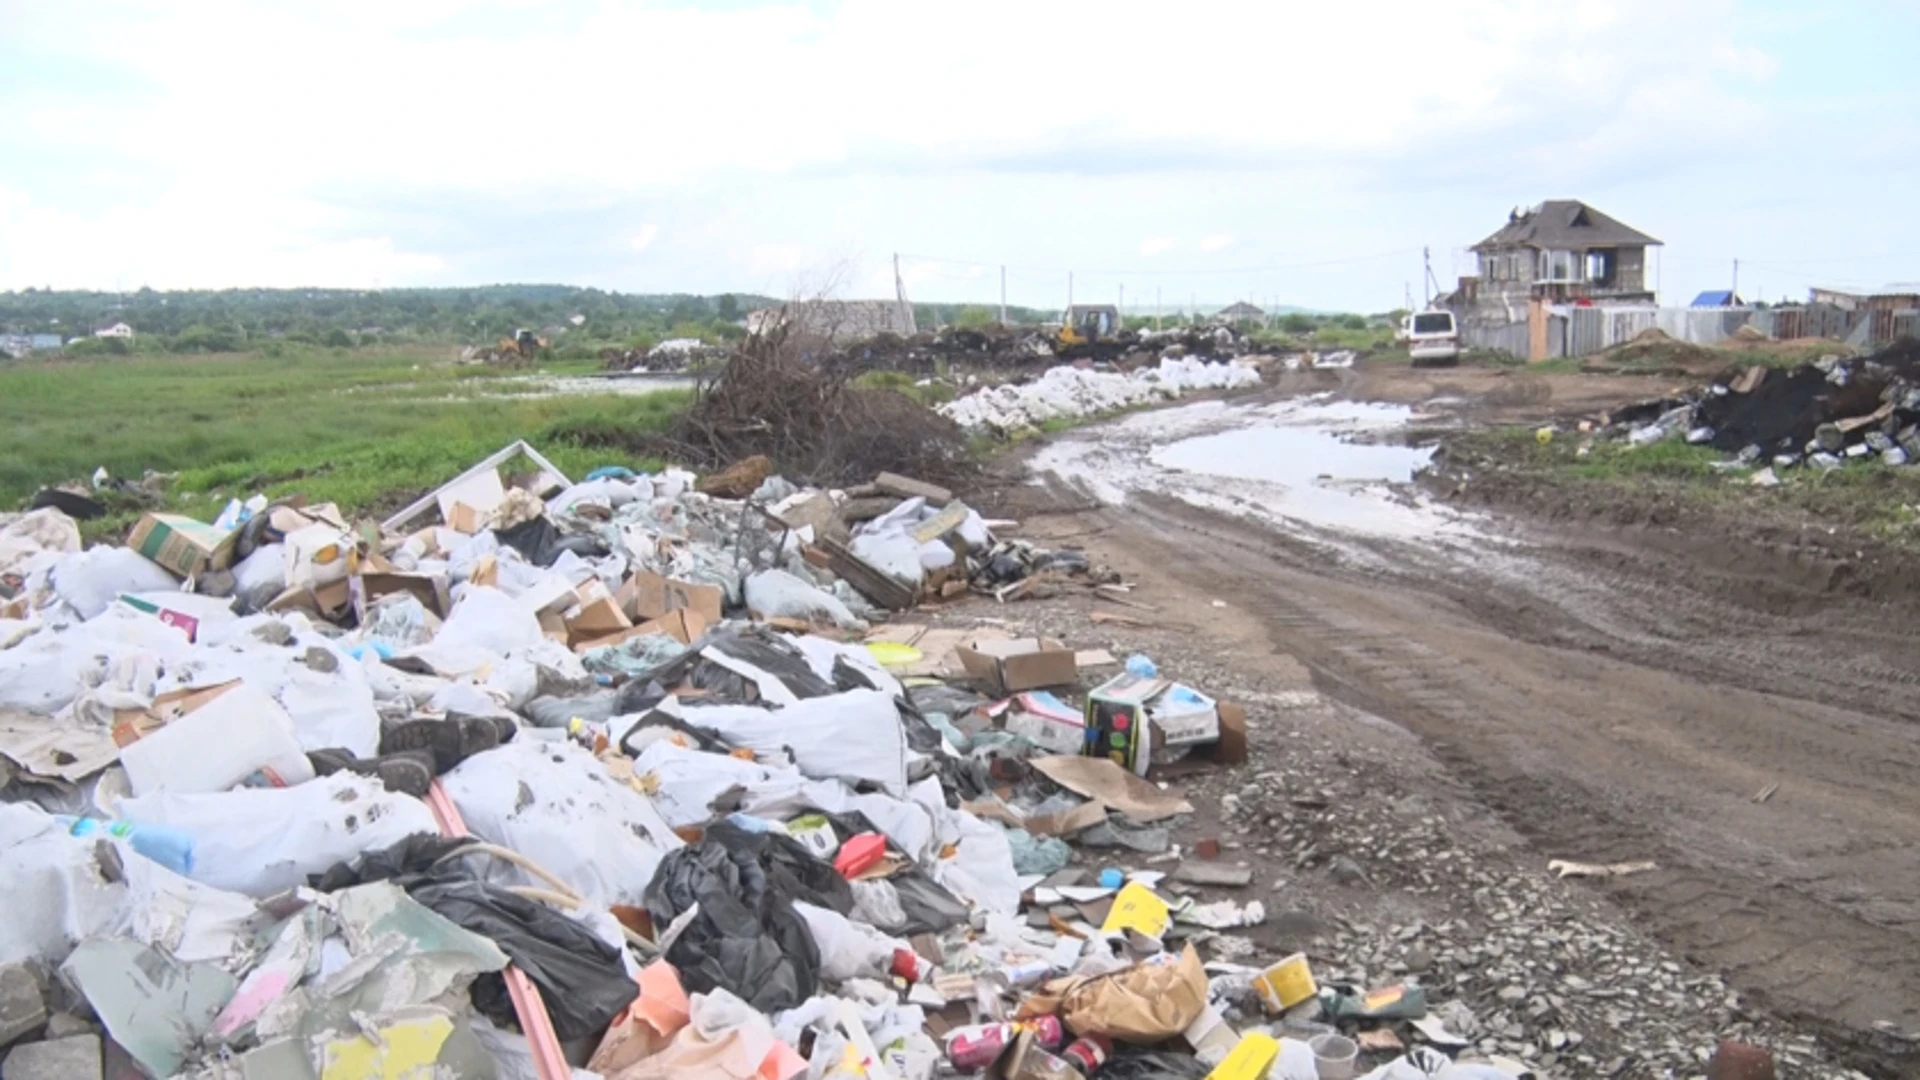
1820, 414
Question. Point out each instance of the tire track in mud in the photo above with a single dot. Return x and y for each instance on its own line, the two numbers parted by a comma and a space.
1601, 756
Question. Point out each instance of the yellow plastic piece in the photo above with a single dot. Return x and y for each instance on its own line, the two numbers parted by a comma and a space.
1249, 1059
407, 1050
1137, 908
1286, 984
894, 653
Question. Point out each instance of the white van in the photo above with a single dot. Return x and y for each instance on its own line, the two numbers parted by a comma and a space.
1431, 337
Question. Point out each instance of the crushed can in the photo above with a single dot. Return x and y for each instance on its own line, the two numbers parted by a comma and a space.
973, 1049
1088, 1052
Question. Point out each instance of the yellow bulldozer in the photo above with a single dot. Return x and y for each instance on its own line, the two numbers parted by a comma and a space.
1089, 330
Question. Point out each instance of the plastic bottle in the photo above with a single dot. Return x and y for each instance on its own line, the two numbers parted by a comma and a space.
170, 848
1141, 666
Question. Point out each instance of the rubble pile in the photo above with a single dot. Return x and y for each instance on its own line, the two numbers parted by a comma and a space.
1821, 414
1070, 392
616, 775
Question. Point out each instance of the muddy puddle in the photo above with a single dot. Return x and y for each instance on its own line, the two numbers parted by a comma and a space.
1313, 465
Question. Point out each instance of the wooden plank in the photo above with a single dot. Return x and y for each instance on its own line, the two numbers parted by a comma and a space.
873, 584
906, 487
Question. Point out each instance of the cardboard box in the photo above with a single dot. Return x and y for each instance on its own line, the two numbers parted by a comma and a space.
1117, 722
647, 595
181, 544
1010, 665
464, 505
130, 724
552, 593
684, 626
1183, 716
1051, 723
1231, 747
431, 590
597, 618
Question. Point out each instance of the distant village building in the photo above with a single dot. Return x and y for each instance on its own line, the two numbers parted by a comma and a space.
1241, 312
117, 330
1560, 250
835, 322
1718, 298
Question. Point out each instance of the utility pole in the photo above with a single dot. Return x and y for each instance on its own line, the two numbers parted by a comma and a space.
1003, 296
900, 290
1122, 309
1156, 309
1426, 259
1736, 277
1069, 292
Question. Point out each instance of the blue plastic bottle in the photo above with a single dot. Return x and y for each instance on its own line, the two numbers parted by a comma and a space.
170, 848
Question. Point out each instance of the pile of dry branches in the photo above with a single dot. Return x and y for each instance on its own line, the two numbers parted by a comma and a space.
816, 426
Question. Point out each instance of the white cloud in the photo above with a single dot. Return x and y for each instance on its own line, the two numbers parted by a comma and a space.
761, 137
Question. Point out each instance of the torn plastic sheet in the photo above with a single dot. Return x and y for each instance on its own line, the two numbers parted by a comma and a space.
852, 736
777, 594
848, 950
724, 1039
512, 1055
557, 801
259, 841
83, 895
827, 658
125, 650
981, 869
89, 581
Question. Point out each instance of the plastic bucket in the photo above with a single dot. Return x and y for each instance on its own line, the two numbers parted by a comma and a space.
1333, 1056
1286, 984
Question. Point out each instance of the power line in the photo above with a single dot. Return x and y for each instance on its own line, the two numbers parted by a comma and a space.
1150, 273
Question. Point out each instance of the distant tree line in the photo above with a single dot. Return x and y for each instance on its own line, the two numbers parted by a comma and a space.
230, 320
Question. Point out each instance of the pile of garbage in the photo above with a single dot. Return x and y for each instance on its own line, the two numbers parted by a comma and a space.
1013, 348
613, 776
1069, 392
671, 355
1822, 414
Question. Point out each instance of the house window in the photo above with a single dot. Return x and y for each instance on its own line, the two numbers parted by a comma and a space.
1600, 266
1559, 266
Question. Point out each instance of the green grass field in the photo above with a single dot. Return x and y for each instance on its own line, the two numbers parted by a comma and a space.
359, 428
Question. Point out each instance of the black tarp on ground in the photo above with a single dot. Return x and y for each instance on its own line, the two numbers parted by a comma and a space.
746, 938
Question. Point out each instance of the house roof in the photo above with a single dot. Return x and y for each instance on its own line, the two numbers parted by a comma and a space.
1241, 309
1564, 224
1717, 298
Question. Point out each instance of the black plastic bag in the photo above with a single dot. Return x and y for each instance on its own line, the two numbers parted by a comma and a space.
762, 649
746, 938
581, 977
541, 544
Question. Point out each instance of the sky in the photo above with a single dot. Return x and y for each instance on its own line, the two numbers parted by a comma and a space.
1198, 152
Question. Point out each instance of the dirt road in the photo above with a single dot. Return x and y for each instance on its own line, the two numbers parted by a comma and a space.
1612, 695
